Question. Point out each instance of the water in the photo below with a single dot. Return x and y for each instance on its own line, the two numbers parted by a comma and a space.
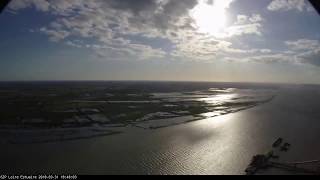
218, 145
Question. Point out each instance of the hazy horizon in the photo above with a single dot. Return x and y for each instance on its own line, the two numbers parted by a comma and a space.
160, 81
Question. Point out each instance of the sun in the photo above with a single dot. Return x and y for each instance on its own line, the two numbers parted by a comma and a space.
210, 18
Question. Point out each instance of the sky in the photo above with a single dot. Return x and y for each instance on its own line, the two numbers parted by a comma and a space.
164, 40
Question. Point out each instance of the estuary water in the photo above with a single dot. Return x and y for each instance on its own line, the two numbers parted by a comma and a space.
219, 145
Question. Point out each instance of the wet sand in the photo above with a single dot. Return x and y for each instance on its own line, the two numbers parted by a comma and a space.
220, 145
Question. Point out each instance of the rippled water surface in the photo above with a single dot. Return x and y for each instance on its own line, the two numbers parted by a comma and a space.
219, 145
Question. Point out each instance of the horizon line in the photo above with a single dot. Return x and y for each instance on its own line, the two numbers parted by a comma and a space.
164, 81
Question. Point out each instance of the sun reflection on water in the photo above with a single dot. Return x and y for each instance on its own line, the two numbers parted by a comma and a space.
219, 99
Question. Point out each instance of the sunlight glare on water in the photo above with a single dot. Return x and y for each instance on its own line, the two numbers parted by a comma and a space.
218, 99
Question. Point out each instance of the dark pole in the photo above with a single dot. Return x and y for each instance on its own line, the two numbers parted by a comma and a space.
3, 4
315, 4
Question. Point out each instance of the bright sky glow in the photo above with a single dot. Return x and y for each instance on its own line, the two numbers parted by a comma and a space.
210, 17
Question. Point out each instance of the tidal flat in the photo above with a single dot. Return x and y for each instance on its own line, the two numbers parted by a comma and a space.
48, 112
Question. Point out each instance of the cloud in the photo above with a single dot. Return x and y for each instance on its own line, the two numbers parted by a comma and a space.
301, 51
244, 19
249, 29
272, 58
311, 57
245, 25
74, 44
55, 35
241, 19
255, 18
41, 5
106, 27
303, 44
287, 5
109, 22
